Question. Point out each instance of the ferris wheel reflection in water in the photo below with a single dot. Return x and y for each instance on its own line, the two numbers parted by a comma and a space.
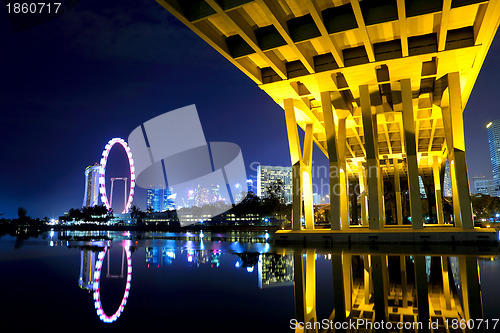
91, 274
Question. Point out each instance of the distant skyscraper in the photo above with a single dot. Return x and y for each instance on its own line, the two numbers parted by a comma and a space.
91, 197
493, 128
250, 185
267, 175
201, 196
160, 200
168, 199
317, 198
154, 199
484, 186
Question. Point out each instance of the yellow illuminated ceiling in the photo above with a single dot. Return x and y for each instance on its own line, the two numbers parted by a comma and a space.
300, 48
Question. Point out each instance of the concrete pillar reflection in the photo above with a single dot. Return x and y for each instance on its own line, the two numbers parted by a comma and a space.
310, 299
342, 285
299, 287
471, 288
422, 291
380, 283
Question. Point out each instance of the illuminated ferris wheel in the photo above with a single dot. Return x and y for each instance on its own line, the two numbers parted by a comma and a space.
102, 177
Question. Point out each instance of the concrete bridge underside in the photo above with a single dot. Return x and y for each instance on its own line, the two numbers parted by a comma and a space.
379, 86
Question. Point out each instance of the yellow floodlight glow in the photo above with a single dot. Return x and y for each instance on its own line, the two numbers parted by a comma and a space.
489, 124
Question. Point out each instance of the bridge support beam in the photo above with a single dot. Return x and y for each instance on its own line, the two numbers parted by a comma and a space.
397, 190
417, 219
301, 169
295, 155
453, 123
333, 161
343, 188
372, 160
363, 196
436, 166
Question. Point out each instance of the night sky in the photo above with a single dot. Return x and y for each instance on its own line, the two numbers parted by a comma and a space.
104, 67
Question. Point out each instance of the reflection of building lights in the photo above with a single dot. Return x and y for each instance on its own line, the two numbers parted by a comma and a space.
237, 264
266, 236
250, 269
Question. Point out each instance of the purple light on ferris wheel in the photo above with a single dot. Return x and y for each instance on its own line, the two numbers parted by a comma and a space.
102, 178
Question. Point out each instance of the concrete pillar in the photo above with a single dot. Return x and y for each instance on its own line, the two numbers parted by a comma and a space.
307, 178
417, 219
344, 200
296, 197
437, 189
461, 176
333, 162
295, 155
397, 189
371, 158
363, 196
455, 141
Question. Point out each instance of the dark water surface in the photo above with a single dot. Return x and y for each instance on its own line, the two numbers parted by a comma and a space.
236, 282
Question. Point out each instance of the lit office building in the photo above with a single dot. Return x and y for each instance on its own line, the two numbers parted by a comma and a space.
447, 192
91, 196
154, 199
267, 175
493, 128
168, 199
484, 186
250, 185
317, 199
159, 200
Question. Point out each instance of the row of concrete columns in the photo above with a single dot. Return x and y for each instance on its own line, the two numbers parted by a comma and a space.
376, 288
369, 173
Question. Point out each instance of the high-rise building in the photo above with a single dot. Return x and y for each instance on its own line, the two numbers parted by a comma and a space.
493, 128
168, 199
159, 200
154, 199
250, 185
267, 175
484, 186
91, 196
317, 198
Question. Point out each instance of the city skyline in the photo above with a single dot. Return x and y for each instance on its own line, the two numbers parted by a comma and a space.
122, 80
